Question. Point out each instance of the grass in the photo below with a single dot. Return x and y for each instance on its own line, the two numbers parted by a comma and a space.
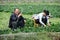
26, 36
4, 19
54, 8
32, 9
32, 3
28, 10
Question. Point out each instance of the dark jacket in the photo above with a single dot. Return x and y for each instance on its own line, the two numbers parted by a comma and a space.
15, 22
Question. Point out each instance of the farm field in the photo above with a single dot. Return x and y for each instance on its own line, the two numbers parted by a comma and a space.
28, 10
29, 32
29, 27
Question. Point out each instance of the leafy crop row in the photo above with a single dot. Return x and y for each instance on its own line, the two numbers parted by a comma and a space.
32, 9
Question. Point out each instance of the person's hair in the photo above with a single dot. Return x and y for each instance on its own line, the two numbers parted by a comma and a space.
46, 12
15, 9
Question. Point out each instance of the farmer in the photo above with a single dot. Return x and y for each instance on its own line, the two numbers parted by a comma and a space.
16, 20
42, 18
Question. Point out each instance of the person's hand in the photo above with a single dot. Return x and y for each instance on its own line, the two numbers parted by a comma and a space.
49, 25
44, 25
25, 21
19, 15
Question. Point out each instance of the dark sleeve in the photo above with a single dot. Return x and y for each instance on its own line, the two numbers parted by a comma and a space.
14, 18
21, 18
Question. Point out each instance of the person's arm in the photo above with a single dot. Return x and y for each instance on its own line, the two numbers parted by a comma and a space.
48, 22
19, 15
40, 20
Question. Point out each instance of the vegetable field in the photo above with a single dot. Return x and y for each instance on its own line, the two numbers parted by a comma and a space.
28, 11
32, 9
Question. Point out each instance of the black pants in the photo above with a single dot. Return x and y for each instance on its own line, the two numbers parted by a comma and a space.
43, 20
20, 24
14, 24
17, 24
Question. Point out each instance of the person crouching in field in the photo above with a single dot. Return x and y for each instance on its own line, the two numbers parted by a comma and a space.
16, 20
42, 18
